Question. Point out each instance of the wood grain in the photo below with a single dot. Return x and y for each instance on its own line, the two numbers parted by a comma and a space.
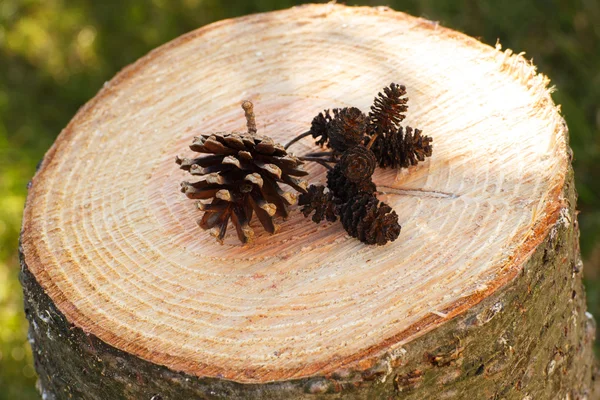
114, 243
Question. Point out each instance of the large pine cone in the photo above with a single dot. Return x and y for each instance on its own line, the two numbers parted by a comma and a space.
388, 109
396, 149
319, 201
343, 188
371, 221
241, 176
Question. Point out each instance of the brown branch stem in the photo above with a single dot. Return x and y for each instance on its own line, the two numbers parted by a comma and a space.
297, 138
372, 141
317, 160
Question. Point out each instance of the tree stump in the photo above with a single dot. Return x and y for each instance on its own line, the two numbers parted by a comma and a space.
479, 298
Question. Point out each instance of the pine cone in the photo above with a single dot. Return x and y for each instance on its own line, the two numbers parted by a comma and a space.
358, 163
398, 149
320, 202
241, 176
347, 129
371, 221
387, 109
343, 188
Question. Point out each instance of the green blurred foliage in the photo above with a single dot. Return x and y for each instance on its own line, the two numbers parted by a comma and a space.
56, 54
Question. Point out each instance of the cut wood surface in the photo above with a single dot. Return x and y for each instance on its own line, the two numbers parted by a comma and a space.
115, 244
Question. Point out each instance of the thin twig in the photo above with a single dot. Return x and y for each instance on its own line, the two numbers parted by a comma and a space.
324, 163
372, 140
317, 160
294, 140
319, 154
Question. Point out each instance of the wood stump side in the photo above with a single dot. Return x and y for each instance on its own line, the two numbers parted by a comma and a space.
533, 339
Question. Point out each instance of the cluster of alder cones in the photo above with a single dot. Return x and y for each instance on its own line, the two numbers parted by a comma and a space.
242, 173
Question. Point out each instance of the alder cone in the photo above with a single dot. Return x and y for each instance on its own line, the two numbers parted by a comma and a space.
388, 109
343, 188
358, 163
371, 221
321, 202
347, 128
397, 149
319, 128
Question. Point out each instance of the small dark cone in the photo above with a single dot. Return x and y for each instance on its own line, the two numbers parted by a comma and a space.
347, 129
319, 128
241, 175
369, 220
358, 163
397, 149
319, 201
388, 109
344, 189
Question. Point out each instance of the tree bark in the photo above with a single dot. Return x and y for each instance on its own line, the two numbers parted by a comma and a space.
480, 298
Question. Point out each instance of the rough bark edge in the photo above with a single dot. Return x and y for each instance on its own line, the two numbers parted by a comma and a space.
514, 66
530, 340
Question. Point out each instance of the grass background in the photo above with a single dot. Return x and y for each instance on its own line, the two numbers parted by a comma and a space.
56, 54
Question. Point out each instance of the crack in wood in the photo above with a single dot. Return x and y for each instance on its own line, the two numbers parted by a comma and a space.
416, 192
